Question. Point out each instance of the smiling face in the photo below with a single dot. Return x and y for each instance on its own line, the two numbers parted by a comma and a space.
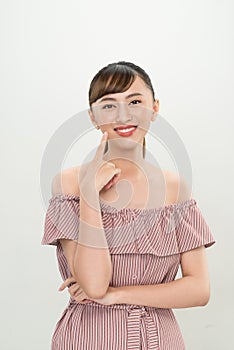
132, 110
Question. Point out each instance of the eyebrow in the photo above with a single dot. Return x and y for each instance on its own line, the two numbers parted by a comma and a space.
114, 99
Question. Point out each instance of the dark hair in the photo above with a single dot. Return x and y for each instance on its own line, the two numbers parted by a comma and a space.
114, 78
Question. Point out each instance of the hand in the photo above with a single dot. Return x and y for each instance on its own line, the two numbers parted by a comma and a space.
99, 174
75, 290
79, 295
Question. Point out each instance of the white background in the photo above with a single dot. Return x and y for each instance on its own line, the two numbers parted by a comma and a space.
50, 50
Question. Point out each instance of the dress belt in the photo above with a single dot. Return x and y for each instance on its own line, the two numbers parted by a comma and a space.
135, 312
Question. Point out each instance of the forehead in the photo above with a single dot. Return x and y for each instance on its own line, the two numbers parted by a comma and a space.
138, 86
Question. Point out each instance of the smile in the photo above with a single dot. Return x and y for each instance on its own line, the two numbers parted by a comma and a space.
127, 131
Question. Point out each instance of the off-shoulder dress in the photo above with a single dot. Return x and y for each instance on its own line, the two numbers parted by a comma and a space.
145, 246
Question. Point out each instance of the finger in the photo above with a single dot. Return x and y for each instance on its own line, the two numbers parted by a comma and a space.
111, 164
101, 147
78, 299
113, 180
109, 185
73, 289
117, 171
74, 293
79, 293
86, 301
79, 296
66, 283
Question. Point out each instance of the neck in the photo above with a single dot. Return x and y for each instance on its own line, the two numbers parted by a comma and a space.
130, 161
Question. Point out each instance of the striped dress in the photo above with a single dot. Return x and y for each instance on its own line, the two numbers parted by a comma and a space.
145, 247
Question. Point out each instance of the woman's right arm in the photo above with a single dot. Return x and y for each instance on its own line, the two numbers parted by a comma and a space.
89, 258
92, 261
90, 266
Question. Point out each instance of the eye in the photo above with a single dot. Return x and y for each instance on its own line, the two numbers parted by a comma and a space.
108, 106
135, 102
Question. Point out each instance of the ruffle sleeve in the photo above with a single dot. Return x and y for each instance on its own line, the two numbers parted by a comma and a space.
192, 229
61, 219
180, 227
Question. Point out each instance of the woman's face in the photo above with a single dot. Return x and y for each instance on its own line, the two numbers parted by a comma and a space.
133, 107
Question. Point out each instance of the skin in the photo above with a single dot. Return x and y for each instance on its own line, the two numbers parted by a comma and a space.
135, 170
132, 150
192, 289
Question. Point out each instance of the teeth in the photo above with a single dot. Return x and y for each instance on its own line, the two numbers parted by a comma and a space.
125, 130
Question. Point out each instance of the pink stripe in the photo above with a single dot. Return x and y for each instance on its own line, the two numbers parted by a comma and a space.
145, 247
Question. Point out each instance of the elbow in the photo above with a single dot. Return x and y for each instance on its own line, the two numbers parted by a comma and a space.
204, 296
93, 288
97, 293
204, 300
93, 291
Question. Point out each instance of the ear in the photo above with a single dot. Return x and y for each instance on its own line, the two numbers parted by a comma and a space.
91, 114
92, 117
155, 110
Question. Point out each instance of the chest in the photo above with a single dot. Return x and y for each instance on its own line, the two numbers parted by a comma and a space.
147, 192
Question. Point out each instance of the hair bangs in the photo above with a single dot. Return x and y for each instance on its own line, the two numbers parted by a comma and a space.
113, 80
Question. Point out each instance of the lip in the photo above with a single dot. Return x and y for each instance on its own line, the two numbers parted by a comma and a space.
126, 134
125, 127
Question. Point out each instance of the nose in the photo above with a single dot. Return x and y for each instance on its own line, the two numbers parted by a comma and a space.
123, 112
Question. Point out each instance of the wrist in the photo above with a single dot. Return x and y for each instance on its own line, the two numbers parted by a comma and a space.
120, 295
90, 197
88, 192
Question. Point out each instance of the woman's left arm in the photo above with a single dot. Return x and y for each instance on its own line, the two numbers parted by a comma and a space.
192, 289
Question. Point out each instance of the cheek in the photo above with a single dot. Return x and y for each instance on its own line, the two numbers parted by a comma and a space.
106, 121
144, 118
144, 127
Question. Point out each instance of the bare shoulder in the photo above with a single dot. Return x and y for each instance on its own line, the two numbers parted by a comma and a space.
66, 182
177, 187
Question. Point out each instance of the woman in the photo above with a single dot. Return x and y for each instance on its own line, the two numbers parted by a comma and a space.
122, 228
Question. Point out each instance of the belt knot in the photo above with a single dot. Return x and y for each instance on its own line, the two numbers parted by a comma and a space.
141, 310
